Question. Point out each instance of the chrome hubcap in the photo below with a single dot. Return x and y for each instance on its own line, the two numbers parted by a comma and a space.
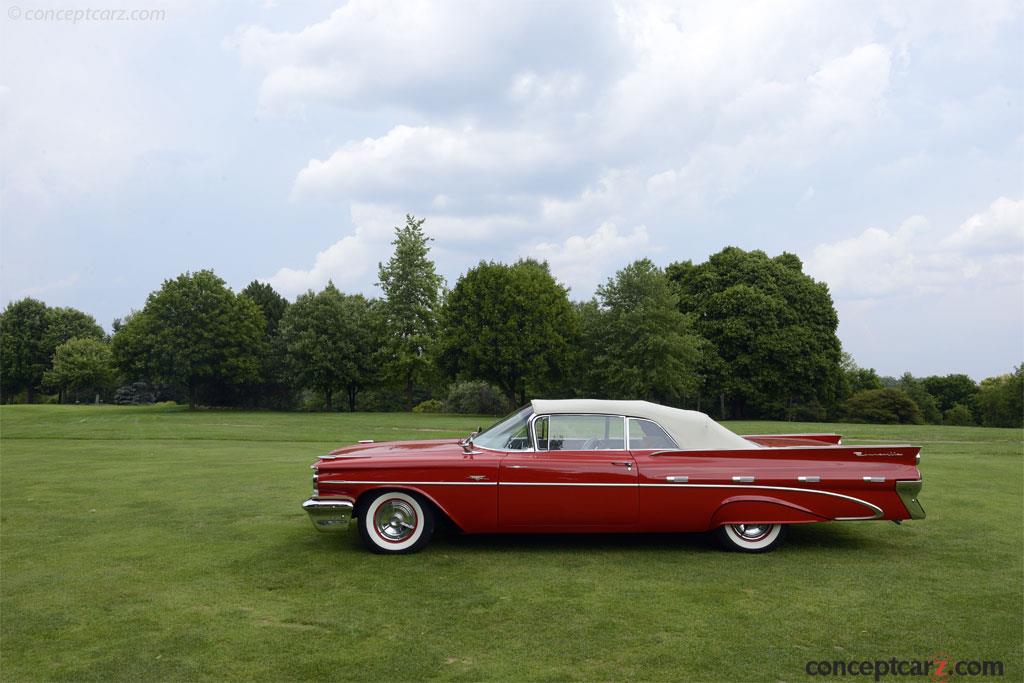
395, 520
752, 532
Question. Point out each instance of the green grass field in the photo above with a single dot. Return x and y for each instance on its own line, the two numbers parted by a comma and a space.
155, 544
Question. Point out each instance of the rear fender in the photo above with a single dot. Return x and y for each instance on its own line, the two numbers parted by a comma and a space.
761, 510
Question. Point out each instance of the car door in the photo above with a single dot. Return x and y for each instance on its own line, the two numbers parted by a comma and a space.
579, 477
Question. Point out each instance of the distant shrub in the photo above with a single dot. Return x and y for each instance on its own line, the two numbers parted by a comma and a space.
431, 405
811, 411
476, 397
959, 415
136, 393
882, 406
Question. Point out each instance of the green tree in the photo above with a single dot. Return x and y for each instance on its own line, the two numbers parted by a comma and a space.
70, 323
24, 351
958, 415
274, 388
882, 406
272, 304
509, 325
81, 364
950, 390
193, 332
914, 388
412, 299
642, 346
331, 341
773, 330
1001, 400
857, 378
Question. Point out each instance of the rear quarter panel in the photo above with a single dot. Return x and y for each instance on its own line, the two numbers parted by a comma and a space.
710, 497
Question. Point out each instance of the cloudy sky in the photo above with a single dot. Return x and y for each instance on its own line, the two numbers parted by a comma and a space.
881, 142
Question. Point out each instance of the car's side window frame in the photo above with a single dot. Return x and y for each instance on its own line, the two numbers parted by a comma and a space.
536, 442
656, 424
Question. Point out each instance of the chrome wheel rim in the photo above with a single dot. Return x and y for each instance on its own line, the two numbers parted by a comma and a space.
395, 520
752, 532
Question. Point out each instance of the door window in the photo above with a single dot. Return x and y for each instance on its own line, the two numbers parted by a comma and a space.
580, 432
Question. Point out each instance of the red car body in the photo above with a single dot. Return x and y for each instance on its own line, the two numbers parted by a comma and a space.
768, 480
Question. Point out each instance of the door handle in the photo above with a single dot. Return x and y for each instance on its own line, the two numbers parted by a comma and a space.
628, 464
515, 467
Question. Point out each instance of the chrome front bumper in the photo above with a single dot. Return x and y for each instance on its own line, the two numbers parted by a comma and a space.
331, 516
908, 491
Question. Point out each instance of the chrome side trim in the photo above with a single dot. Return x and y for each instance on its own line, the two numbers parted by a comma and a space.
559, 483
744, 479
824, 446
875, 480
871, 506
413, 483
809, 480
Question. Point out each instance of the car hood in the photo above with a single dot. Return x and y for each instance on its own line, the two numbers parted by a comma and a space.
425, 449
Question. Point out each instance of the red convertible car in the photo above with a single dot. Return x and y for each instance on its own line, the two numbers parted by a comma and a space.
610, 466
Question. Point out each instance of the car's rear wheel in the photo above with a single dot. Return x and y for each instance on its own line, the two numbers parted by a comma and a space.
396, 522
750, 538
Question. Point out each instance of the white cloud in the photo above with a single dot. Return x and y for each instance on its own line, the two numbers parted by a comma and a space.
350, 262
986, 251
408, 51
1001, 227
585, 261
430, 160
782, 124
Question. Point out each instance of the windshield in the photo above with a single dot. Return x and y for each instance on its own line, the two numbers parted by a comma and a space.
510, 433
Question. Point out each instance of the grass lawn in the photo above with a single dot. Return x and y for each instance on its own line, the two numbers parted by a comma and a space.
154, 544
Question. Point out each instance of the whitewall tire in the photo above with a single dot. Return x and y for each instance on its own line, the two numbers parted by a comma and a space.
396, 522
750, 538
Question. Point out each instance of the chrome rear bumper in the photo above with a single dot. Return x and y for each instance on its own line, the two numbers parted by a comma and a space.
331, 516
908, 491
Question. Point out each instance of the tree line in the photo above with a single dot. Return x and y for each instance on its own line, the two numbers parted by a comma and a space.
741, 336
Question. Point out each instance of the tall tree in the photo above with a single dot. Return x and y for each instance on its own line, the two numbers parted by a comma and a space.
81, 364
194, 332
772, 326
70, 323
914, 388
643, 347
331, 340
949, 390
510, 325
274, 388
1001, 400
856, 378
272, 304
24, 350
412, 298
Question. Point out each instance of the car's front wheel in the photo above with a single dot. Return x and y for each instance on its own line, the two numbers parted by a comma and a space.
750, 538
396, 522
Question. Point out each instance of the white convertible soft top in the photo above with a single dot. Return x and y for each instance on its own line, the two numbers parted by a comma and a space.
690, 429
